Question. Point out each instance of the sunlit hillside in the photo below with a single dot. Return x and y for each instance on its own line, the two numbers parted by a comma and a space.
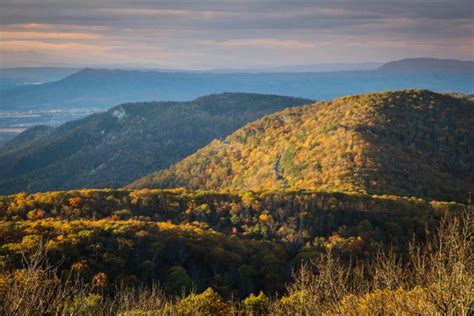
413, 142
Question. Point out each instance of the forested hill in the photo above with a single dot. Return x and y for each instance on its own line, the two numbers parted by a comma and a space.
113, 148
412, 143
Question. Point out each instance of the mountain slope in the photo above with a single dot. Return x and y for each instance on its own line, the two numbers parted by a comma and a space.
113, 148
27, 137
105, 88
412, 142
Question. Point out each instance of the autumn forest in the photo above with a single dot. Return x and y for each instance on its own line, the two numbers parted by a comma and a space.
283, 226
236, 158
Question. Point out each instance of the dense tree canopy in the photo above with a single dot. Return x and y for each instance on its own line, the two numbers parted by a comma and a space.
237, 243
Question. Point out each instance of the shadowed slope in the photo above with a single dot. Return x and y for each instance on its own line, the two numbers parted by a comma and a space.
113, 148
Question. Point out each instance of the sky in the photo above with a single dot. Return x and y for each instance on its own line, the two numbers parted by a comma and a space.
230, 34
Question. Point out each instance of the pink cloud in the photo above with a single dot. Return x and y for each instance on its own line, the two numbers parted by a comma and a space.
22, 35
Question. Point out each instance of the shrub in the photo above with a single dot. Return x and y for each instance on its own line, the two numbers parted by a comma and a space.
256, 305
208, 302
85, 305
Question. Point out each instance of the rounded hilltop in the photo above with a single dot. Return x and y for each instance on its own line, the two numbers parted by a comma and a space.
408, 142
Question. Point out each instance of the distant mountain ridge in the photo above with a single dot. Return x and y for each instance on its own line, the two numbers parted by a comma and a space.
105, 88
13, 77
330, 67
112, 148
411, 143
428, 65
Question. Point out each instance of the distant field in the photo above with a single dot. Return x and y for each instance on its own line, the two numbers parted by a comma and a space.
13, 123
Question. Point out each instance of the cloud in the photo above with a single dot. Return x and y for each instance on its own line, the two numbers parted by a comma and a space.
16, 35
71, 48
260, 42
242, 33
156, 12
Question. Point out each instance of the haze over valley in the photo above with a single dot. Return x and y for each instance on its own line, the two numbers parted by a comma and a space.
92, 90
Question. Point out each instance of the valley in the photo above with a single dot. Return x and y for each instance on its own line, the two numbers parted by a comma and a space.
14, 123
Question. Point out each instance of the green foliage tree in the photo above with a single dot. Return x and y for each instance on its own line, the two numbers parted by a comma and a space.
177, 281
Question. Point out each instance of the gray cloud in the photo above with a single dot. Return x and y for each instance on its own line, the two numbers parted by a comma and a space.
241, 33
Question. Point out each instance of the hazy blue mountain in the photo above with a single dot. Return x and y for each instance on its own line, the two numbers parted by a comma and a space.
112, 148
428, 65
304, 68
105, 88
13, 77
